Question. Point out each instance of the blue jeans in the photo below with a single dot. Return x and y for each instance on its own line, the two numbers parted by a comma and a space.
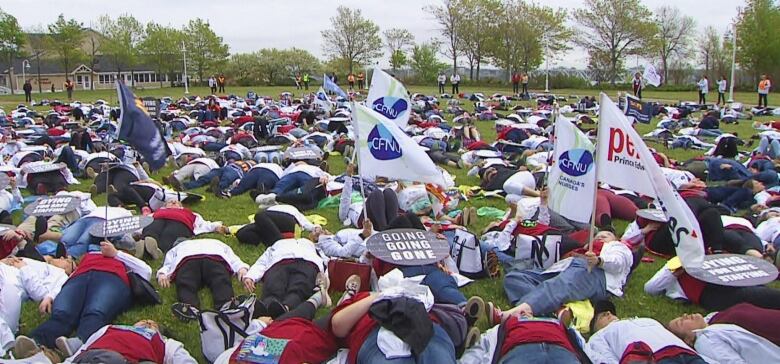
256, 178
503, 257
226, 175
76, 236
733, 197
683, 359
737, 170
545, 293
87, 302
213, 147
442, 285
712, 133
769, 147
539, 353
291, 182
439, 350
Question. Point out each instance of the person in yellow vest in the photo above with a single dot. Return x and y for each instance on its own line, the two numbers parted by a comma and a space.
221, 83
351, 81
361, 81
69, 85
763, 90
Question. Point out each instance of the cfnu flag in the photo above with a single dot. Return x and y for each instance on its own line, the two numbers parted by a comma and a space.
331, 86
138, 129
322, 99
572, 179
388, 97
651, 76
386, 151
624, 161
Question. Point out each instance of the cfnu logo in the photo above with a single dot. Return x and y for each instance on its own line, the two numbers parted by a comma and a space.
390, 107
382, 145
576, 162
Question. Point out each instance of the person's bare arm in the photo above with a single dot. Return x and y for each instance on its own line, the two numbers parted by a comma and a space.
343, 321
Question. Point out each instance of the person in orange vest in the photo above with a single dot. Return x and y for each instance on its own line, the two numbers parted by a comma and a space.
763, 90
69, 85
361, 81
351, 81
221, 83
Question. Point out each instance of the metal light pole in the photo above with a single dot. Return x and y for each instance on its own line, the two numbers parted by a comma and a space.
186, 82
546, 67
733, 62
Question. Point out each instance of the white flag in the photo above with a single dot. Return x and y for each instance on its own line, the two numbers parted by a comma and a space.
388, 97
572, 180
385, 150
624, 161
651, 76
322, 99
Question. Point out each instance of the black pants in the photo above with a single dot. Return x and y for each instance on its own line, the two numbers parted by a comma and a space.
118, 177
131, 195
166, 232
221, 88
195, 274
638, 93
721, 98
441, 88
718, 298
702, 98
265, 228
27, 96
739, 241
455, 88
49, 182
306, 311
289, 282
213, 89
382, 208
515, 87
442, 158
763, 97
525, 89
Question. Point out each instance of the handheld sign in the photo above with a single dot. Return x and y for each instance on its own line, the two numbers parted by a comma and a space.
735, 270
41, 168
152, 106
297, 153
120, 226
266, 148
408, 247
50, 206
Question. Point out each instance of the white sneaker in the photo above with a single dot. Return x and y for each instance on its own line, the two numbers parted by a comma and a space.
266, 199
68, 345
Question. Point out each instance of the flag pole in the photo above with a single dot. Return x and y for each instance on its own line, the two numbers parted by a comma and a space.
356, 158
592, 231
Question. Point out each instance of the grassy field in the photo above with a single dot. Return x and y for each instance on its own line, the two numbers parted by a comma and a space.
236, 211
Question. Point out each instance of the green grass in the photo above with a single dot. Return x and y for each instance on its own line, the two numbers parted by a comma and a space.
236, 210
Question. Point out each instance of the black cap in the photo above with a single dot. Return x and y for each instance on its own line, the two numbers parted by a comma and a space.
601, 307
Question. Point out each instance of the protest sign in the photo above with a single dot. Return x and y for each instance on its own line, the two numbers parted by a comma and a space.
50, 206
408, 247
297, 153
152, 106
120, 226
32, 168
734, 270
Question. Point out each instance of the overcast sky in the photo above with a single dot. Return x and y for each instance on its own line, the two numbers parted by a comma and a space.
250, 25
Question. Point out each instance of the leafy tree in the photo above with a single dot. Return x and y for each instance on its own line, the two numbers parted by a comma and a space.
271, 66
352, 38
675, 33
479, 17
161, 49
11, 38
243, 68
614, 29
64, 40
301, 61
397, 42
37, 44
122, 41
448, 14
205, 49
424, 61
757, 40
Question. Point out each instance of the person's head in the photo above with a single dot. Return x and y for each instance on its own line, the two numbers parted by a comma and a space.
637, 75
753, 185
605, 236
723, 78
763, 76
604, 313
65, 263
173, 204
684, 326
148, 324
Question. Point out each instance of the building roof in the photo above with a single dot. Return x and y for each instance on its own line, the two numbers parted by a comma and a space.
53, 66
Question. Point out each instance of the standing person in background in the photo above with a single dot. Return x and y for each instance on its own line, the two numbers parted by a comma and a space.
361, 81
334, 78
69, 88
763, 90
298, 81
52, 87
704, 88
213, 85
524, 81
221, 82
27, 91
442, 79
637, 85
306, 81
455, 81
515, 83
722, 83
351, 81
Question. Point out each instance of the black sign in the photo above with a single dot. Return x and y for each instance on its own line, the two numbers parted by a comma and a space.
152, 106
408, 247
120, 226
50, 206
298, 154
641, 111
735, 270
41, 168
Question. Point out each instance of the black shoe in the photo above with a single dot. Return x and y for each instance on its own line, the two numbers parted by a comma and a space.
254, 193
184, 312
276, 308
261, 310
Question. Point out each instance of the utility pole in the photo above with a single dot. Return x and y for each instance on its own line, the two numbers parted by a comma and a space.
186, 81
733, 62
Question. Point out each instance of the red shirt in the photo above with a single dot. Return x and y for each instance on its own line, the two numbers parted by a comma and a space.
533, 331
98, 262
357, 336
134, 343
692, 287
184, 216
763, 322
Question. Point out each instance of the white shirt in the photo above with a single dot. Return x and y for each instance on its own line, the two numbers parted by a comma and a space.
442, 78
677, 177
665, 282
704, 85
617, 260
727, 343
36, 281
175, 353
193, 247
455, 78
608, 344
207, 161
273, 167
286, 249
769, 229
722, 86
346, 243
294, 212
314, 172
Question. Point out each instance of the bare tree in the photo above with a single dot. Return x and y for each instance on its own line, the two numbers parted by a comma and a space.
673, 39
352, 38
709, 48
449, 15
398, 41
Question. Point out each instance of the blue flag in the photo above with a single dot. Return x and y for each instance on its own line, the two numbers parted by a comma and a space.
329, 85
138, 129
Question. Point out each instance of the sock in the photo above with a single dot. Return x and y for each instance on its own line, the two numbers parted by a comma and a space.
316, 299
